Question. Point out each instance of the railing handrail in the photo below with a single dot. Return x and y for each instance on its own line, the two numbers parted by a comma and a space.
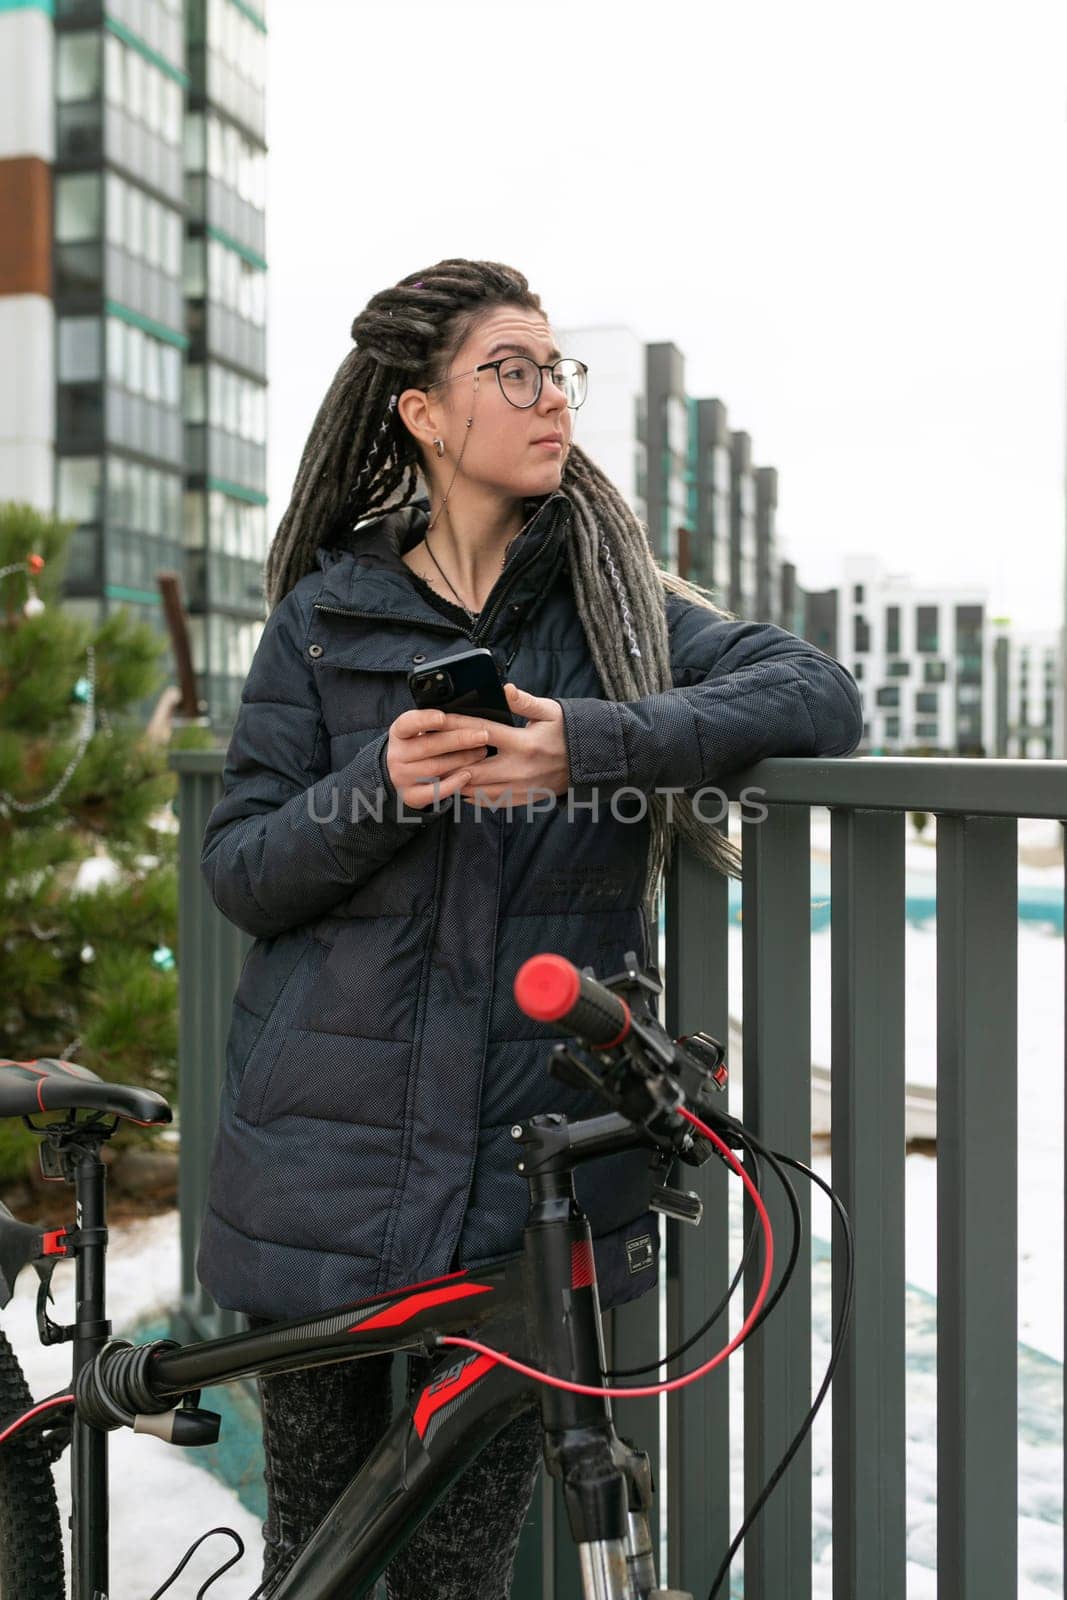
949, 785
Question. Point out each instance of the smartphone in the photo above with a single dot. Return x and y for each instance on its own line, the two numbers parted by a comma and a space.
467, 682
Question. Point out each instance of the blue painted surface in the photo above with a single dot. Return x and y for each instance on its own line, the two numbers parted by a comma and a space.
46, 6
1040, 904
237, 1458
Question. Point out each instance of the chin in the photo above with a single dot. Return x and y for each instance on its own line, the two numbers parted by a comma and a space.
547, 480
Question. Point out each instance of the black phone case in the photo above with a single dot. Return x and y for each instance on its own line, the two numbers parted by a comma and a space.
474, 689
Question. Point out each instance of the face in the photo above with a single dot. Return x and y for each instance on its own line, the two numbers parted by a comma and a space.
503, 452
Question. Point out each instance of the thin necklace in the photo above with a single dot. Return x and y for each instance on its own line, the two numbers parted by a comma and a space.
473, 615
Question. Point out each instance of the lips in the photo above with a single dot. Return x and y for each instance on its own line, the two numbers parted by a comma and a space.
550, 438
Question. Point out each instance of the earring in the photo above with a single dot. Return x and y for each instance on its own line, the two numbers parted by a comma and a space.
439, 446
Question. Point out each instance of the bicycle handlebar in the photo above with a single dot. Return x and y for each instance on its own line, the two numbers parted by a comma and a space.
549, 988
641, 1072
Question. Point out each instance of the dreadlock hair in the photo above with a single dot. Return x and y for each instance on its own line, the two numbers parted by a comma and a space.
360, 459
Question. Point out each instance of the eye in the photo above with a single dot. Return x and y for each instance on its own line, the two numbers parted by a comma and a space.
514, 374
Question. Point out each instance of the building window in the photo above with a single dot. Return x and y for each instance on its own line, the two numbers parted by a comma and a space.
78, 60
892, 630
77, 207
899, 669
861, 636
140, 88
857, 670
926, 634
933, 672
926, 700
892, 727
234, 283
78, 489
78, 357
888, 695
195, 394
143, 364
926, 730
857, 594
194, 279
237, 405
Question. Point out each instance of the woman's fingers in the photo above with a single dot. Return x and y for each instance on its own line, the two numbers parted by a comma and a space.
412, 772
421, 795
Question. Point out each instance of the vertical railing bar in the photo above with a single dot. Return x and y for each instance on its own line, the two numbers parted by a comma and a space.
776, 939
868, 1141
977, 1207
698, 1418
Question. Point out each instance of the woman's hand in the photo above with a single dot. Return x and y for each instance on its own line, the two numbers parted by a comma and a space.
424, 745
530, 761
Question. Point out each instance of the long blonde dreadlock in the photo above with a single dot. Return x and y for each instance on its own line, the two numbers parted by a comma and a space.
359, 458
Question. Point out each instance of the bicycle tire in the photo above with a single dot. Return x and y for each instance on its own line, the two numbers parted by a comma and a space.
32, 1564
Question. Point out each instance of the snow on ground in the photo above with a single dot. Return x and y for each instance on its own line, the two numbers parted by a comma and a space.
160, 1501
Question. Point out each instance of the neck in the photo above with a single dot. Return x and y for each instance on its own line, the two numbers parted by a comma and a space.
470, 536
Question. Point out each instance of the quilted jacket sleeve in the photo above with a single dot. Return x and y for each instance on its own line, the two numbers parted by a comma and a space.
744, 690
289, 838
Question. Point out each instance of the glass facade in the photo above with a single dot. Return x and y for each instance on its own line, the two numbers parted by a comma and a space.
160, 300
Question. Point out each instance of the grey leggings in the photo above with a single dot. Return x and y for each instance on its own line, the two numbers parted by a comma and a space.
319, 1426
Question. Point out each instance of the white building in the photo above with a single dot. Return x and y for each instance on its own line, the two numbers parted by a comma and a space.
922, 656
610, 426
1029, 692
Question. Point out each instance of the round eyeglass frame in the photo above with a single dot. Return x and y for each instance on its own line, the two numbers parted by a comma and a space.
541, 366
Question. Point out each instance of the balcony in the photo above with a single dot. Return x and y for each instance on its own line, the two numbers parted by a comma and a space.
977, 804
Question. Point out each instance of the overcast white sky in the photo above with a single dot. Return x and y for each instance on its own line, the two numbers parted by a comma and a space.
852, 219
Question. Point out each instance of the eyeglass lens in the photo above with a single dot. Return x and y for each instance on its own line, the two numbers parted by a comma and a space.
520, 379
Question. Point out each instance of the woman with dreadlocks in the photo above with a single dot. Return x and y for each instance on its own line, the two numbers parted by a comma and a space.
376, 1059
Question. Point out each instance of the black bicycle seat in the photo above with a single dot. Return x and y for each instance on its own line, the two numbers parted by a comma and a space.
27, 1087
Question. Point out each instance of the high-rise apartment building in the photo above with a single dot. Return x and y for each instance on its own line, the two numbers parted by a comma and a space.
743, 598
921, 656
768, 606
668, 450
710, 515
1028, 686
709, 542
133, 305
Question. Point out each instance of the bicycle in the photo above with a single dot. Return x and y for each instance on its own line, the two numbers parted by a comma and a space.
526, 1331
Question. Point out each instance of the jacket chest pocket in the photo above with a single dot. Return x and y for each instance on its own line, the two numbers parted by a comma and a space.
357, 705
362, 677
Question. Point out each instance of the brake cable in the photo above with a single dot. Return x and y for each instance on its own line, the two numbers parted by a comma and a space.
631, 1391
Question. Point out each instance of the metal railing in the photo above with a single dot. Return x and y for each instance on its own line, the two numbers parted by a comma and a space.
977, 804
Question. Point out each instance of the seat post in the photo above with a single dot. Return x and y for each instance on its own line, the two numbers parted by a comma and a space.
89, 1445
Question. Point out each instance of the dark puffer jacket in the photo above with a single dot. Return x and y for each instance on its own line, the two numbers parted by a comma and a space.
376, 1058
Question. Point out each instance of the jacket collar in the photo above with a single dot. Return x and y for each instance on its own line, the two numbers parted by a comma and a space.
365, 573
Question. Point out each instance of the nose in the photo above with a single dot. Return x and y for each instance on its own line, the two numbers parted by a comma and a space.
552, 397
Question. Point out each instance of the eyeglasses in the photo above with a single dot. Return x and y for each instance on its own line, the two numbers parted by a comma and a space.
521, 379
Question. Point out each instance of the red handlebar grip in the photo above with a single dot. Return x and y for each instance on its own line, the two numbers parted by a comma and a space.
546, 987
549, 988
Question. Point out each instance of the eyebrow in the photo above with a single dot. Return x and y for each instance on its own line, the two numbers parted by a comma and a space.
522, 350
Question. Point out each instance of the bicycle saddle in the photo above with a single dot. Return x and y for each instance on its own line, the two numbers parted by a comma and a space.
27, 1087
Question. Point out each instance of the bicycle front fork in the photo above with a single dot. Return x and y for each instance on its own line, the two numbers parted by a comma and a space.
607, 1490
